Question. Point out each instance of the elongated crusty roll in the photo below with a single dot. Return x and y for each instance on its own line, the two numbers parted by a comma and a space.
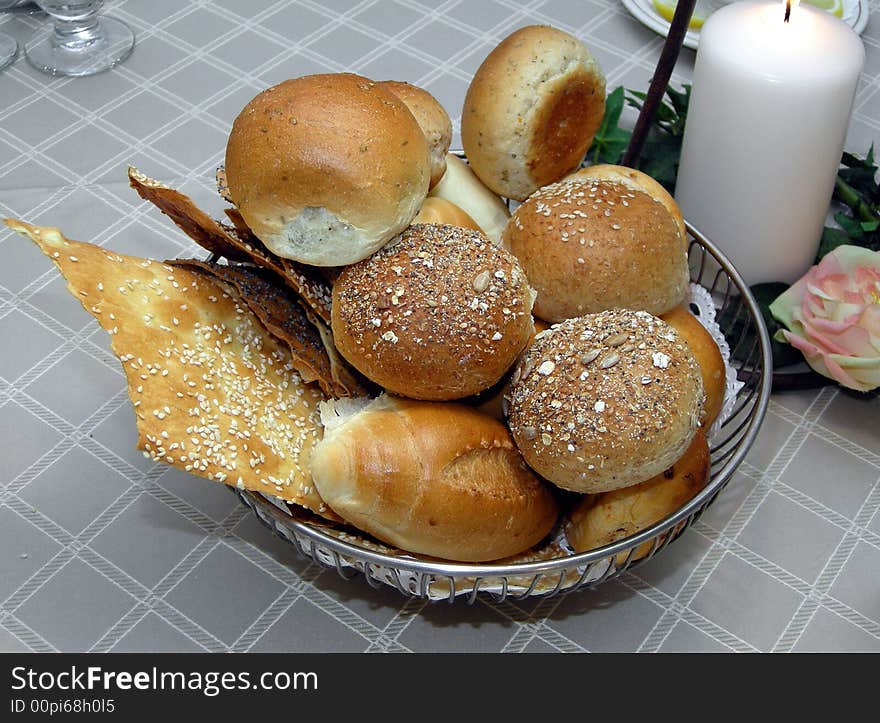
532, 110
431, 478
461, 186
602, 519
325, 169
432, 119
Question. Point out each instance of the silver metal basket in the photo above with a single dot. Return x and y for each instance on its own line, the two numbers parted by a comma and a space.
743, 327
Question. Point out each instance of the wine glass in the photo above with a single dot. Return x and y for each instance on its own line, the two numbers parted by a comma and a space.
8, 50
78, 41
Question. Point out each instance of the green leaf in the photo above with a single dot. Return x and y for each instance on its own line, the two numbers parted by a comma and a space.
610, 141
852, 227
831, 239
766, 294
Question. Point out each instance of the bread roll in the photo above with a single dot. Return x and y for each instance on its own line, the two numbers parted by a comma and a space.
605, 401
708, 357
461, 186
432, 119
602, 519
439, 314
588, 245
431, 478
439, 210
636, 181
492, 401
532, 110
325, 169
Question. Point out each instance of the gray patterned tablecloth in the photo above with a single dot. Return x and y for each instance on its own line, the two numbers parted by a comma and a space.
101, 549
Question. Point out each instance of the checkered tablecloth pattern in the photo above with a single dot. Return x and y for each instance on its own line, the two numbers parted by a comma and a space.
101, 549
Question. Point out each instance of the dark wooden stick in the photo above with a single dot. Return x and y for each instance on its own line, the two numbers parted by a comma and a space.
671, 48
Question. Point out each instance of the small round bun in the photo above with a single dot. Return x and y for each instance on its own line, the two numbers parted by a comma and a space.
325, 169
432, 119
439, 210
602, 519
532, 110
637, 181
461, 186
430, 478
438, 314
592, 244
708, 356
605, 401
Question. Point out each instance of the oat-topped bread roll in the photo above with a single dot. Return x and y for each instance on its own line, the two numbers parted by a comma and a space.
605, 401
589, 244
431, 478
432, 119
325, 169
438, 314
532, 110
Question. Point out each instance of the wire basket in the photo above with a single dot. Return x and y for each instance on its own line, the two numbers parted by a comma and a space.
556, 570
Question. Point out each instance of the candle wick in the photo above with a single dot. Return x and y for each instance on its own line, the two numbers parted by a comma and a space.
787, 10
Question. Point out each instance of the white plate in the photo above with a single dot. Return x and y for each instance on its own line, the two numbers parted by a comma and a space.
855, 13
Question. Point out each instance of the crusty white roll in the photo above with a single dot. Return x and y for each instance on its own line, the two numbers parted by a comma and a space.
430, 478
461, 186
532, 110
605, 401
432, 119
708, 356
438, 314
325, 169
590, 244
439, 210
602, 519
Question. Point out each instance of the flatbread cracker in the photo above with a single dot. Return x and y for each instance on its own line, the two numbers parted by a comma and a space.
189, 218
282, 316
236, 243
214, 393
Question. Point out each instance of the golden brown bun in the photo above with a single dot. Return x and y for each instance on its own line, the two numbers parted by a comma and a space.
599, 520
637, 181
708, 357
325, 169
461, 186
605, 401
532, 110
588, 245
432, 119
438, 314
439, 210
431, 478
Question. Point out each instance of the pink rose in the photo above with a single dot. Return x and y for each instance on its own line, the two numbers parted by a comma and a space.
833, 317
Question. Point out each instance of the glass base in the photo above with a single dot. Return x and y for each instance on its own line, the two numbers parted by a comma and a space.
8, 50
114, 45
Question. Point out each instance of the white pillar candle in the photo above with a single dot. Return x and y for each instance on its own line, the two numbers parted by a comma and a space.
769, 111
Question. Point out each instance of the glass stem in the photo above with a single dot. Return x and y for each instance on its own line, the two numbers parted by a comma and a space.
77, 34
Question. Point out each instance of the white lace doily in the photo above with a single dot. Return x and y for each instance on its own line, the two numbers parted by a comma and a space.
702, 307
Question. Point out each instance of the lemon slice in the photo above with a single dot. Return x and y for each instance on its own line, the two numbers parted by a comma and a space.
835, 7
666, 8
